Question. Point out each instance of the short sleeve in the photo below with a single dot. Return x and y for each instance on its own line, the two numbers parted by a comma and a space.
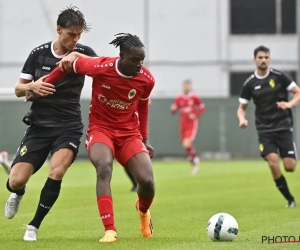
287, 82
87, 66
29, 67
177, 101
245, 95
146, 94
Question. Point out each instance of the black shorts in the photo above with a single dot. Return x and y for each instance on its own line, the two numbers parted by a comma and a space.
38, 142
281, 142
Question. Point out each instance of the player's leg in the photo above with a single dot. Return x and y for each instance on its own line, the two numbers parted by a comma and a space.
135, 157
188, 135
4, 161
268, 149
132, 179
64, 149
29, 157
288, 153
100, 149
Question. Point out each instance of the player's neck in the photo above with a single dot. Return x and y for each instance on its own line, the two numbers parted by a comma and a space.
121, 70
262, 72
59, 49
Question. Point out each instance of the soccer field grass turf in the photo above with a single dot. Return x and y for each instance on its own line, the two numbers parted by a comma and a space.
180, 212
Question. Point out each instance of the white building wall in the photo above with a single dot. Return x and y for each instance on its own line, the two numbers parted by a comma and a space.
185, 40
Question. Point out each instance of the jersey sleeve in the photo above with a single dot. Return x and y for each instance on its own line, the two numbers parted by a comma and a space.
199, 106
245, 95
287, 82
87, 66
29, 67
146, 94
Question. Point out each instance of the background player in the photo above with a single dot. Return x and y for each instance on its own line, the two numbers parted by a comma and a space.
269, 89
191, 107
4, 161
55, 118
121, 86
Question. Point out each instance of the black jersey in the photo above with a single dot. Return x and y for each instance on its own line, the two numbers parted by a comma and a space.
63, 107
266, 91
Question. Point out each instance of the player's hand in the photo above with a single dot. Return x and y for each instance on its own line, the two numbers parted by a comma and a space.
283, 105
149, 148
65, 64
42, 88
243, 123
30, 96
173, 108
192, 116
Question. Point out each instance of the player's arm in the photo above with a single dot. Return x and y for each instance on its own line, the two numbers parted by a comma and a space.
175, 106
200, 107
143, 111
83, 66
292, 87
26, 82
244, 99
241, 114
65, 64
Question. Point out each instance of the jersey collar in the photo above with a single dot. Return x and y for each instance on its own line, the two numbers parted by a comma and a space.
262, 77
118, 71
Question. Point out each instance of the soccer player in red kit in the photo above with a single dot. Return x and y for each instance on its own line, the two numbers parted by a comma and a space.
121, 86
191, 107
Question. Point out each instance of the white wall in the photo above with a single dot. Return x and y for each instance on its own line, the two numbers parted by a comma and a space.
187, 39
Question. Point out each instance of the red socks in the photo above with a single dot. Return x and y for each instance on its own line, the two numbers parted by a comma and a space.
105, 207
191, 154
144, 204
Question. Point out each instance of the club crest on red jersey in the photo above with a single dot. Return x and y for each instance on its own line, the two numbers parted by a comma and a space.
131, 93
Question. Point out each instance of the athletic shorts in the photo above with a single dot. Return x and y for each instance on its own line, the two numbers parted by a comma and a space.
281, 142
123, 144
38, 142
189, 130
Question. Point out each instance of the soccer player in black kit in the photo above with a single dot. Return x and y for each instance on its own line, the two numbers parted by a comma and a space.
269, 89
55, 123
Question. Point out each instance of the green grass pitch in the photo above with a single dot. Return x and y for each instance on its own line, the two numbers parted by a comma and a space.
181, 209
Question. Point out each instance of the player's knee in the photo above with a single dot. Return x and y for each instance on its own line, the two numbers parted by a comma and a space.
103, 170
186, 143
57, 173
290, 166
148, 184
15, 183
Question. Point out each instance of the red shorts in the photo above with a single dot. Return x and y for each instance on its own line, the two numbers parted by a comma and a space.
124, 144
189, 130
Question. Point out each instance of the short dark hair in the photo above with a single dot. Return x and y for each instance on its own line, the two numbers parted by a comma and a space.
126, 41
261, 48
72, 16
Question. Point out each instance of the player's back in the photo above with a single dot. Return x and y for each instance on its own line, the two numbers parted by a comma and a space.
115, 95
63, 107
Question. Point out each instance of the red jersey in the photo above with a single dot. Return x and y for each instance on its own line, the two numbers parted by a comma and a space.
114, 95
187, 104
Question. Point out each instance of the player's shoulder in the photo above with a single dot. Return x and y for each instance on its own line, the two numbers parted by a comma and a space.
41, 49
250, 79
193, 95
146, 75
280, 74
84, 49
180, 96
276, 72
